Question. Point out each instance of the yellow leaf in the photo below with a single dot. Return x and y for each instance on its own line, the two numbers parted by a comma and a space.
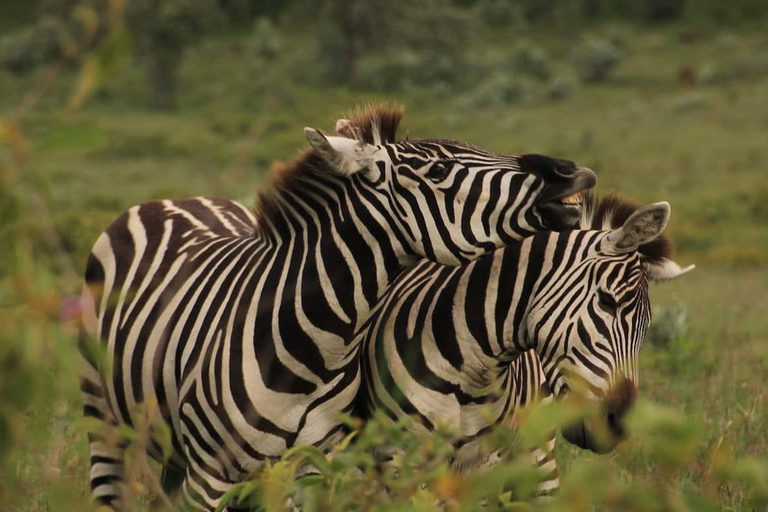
86, 84
448, 487
344, 442
88, 18
11, 136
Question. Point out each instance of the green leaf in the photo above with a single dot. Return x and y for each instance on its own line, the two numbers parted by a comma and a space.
246, 491
311, 455
310, 481
230, 495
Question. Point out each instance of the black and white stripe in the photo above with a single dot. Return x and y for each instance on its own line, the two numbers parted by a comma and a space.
466, 346
240, 327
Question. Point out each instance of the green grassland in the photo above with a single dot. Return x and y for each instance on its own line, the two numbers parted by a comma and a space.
704, 150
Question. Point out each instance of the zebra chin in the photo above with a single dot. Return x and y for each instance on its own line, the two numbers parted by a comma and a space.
562, 201
599, 440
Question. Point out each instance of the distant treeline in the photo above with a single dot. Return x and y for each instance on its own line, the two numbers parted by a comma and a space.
425, 40
243, 12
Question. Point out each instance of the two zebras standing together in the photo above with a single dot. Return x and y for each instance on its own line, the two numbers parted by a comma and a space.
252, 332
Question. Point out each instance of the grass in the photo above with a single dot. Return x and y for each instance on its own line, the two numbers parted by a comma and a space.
641, 132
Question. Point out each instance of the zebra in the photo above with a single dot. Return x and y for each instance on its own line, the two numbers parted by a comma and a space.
239, 325
466, 346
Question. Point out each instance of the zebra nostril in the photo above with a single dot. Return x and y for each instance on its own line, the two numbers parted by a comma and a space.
615, 420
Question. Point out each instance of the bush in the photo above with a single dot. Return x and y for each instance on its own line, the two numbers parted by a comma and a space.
392, 45
502, 89
501, 13
406, 69
35, 45
596, 60
669, 325
690, 101
417, 476
532, 61
560, 87
265, 41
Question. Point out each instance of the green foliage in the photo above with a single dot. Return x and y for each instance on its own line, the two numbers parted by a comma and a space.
162, 30
413, 43
65, 175
690, 101
503, 89
596, 60
501, 13
265, 39
669, 325
560, 87
419, 476
531, 60
32, 46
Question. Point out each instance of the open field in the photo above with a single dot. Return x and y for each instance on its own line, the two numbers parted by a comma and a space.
705, 150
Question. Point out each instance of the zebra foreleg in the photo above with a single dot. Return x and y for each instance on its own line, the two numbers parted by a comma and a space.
545, 461
106, 446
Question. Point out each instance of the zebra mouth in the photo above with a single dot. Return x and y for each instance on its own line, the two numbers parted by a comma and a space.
579, 434
562, 201
573, 200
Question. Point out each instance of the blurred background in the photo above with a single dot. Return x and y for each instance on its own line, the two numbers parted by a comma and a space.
107, 103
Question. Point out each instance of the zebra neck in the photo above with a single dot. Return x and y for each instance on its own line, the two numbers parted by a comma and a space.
341, 237
496, 293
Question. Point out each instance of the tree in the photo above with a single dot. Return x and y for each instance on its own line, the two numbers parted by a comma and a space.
162, 31
435, 29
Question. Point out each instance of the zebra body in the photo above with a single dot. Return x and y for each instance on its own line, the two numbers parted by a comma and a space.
240, 327
467, 345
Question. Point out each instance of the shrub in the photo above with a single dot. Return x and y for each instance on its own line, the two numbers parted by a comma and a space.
35, 45
670, 324
418, 476
501, 13
690, 101
265, 41
406, 69
531, 60
560, 87
596, 60
502, 89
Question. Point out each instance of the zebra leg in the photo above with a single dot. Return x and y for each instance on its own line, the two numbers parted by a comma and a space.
545, 460
203, 492
105, 445
171, 480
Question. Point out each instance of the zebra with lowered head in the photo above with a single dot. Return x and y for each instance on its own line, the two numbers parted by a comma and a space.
465, 346
240, 327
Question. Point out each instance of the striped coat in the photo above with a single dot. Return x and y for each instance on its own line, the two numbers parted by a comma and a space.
468, 345
240, 327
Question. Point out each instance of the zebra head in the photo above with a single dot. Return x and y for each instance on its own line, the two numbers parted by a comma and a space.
451, 201
589, 318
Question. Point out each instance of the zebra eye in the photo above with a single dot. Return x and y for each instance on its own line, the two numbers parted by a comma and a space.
438, 172
607, 302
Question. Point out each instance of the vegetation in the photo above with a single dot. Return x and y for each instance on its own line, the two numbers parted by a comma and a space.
678, 116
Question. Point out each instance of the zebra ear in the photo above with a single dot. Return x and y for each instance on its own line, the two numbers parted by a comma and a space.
347, 156
665, 269
640, 228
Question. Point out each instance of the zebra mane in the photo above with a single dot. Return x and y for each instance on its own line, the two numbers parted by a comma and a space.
611, 212
373, 123
367, 124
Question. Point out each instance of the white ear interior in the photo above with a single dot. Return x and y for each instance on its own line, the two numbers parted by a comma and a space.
347, 156
344, 127
641, 227
665, 270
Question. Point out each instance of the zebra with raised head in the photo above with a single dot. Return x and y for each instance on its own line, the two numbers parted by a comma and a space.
240, 326
466, 345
